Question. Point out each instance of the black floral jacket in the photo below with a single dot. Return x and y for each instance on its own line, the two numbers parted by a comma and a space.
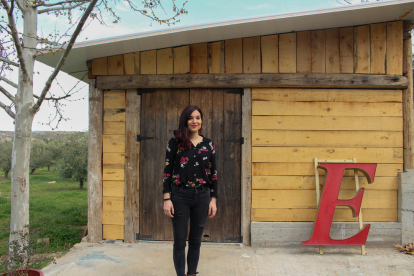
191, 168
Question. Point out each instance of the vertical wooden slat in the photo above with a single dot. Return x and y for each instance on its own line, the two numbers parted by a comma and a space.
234, 55
214, 226
251, 55
346, 50
270, 53
159, 160
100, 66
216, 57
225, 193
362, 53
198, 58
165, 61
95, 164
181, 59
116, 65
332, 50
131, 209
304, 55
318, 51
246, 166
147, 168
287, 53
408, 117
378, 47
132, 63
129, 64
394, 48
149, 62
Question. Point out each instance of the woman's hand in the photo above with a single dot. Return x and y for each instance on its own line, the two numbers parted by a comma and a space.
212, 209
168, 208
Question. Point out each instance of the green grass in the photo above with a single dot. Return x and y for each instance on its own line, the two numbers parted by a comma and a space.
58, 211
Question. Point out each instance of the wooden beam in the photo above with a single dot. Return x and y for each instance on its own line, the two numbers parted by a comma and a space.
246, 177
311, 80
131, 212
408, 128
95, 164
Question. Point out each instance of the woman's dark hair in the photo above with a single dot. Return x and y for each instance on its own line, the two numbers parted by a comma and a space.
182, 135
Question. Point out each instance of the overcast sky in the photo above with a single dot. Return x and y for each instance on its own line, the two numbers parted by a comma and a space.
199, 12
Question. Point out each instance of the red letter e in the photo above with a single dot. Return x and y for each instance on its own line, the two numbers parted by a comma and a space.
329, 200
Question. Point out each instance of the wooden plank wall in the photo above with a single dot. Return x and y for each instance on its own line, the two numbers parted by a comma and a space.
292, 126
368, 49
113, 165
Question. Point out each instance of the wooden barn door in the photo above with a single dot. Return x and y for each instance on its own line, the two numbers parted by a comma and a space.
160, 111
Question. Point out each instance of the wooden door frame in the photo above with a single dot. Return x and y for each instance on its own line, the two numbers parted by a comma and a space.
246, 168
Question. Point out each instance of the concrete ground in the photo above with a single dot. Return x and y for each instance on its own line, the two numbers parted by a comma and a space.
155, 258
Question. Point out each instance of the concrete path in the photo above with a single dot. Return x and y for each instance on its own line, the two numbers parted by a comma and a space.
155, 258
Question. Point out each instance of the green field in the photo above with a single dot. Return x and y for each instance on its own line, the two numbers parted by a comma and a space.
58, 211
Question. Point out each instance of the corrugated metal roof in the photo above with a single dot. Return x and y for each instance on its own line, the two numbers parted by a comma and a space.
75, 64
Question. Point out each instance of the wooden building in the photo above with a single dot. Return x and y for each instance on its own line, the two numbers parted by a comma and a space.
276, 92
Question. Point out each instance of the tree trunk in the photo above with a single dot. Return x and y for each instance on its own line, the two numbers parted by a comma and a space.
81, 184
32, 171
48, 168
19, 217
6, 174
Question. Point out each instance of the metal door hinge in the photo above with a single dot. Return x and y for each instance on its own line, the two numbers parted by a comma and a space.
240, 91
142, 91
241, 140
140, 138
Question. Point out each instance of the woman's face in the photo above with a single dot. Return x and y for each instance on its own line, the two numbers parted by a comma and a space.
194, 122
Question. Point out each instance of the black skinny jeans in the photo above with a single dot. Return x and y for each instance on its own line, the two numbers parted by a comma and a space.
193, 204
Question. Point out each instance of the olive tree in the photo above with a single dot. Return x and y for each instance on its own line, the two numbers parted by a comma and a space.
21, 41
74, 159
5, 157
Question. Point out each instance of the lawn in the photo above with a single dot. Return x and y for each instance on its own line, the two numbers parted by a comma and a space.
58, 211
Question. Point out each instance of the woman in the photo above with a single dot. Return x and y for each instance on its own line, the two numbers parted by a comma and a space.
190, 187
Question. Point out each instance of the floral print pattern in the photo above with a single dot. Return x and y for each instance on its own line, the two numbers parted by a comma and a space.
191, 167
184, 161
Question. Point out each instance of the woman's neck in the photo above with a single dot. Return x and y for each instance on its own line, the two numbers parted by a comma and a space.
194, 135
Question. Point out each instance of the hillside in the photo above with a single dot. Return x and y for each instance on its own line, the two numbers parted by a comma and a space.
38, 135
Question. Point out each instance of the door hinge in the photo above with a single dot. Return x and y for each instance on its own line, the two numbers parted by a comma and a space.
142, 91
241, 140
240, 91
235, 239
139, 237
140, 138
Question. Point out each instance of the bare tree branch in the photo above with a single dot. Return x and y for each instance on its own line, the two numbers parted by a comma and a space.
15, 35
75, 34
9, 82
60, 3
9, 62
7, 93
61, 8
20, 6
53, 98
8, 110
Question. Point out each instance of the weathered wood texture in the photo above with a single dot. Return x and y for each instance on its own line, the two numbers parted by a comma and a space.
246, 169
133, 109
408, 101
368, 49
311, 80
221, 121
113, 160
292, 126
95, 164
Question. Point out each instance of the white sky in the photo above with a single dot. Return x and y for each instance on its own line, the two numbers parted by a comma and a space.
199, 12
